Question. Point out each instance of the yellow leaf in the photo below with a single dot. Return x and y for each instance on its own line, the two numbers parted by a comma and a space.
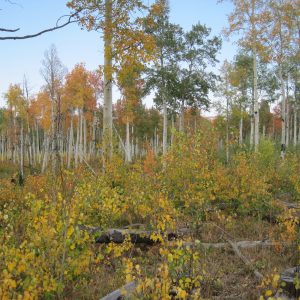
70, 231
268, 293
11, 265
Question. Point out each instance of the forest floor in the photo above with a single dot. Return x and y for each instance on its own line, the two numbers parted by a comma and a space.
220, 271
225, 275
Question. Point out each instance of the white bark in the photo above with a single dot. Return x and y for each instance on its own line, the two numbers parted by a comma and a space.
21, 160
172, 131
46, 153
283, 113
241, 129
165, 127
70, 144
256, 107
295, 126
181, 119
127, 147
107, 105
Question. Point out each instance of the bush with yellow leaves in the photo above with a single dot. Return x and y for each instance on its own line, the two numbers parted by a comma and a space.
177, 275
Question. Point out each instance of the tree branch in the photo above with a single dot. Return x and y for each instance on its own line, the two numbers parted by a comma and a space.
56, 27
9, 30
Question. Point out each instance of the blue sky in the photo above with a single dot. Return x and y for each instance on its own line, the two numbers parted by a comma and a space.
19, 58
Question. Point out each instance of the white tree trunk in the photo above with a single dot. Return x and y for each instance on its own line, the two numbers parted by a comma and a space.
241, 129
227, 130
84, 137
46, 153
287, 119
251, 126
181, 118
77, 143
172, 131
107, 105
256, 107
128, 148
295, 126
21, 160
70, 144
283, 113
165, 127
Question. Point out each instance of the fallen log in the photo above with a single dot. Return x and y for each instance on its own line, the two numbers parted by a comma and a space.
237, 251
136, 236
289, 205
246, 261
121, 293
240, 244
289, 277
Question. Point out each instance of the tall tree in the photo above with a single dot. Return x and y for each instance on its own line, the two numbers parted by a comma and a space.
278, 38
53, 74
168, 38
121, 22
193, 81
247, 18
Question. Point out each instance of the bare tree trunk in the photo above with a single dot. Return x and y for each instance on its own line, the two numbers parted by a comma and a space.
70, 144
256, 108
21, 160
93, 148
295, 126
80, 136
165, 127
298, 135
283, 113
132, 143
241, 129
252, 123
37, 142
107, 105
181, 118
155, 141
84, 137
128, 151
46, 152
53, 136
287, 118
2, 146
227, 130
77, 143
172, 131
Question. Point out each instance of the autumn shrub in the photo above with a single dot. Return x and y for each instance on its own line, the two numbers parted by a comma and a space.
190, 174
44, 250
249, 184
178, 275
125, 195
195, 179
48, 253
267, 156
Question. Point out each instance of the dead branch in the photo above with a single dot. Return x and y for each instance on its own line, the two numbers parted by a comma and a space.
120, 293
240, 244
9, 30
247, 262
235, 248
289, 205
56, 27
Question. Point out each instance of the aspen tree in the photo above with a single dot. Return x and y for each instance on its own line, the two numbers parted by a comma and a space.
247, 18
115, 20
278, 39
